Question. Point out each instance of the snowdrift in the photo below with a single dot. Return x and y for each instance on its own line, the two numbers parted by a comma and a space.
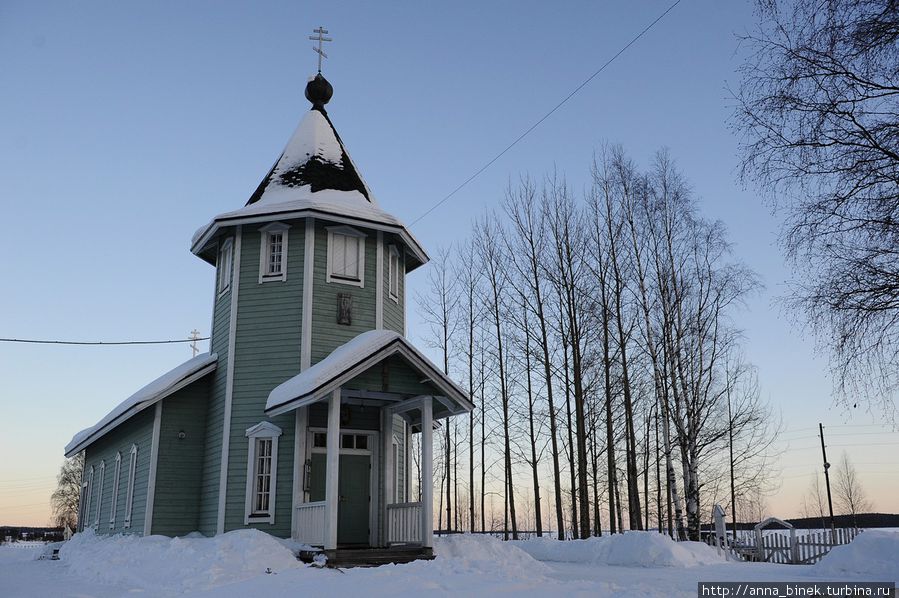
631, 549
873, 554
175, 565
485, 554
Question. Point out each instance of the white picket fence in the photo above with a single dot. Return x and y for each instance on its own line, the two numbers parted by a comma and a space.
805, 549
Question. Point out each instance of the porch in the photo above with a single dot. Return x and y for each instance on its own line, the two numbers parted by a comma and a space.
351, 496
351, 482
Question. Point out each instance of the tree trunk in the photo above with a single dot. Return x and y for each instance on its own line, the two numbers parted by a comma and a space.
533, 435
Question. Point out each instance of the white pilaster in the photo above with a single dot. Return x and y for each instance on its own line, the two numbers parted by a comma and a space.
308, 279
331, 472
229, 384
151, 481
379, 286
427, 472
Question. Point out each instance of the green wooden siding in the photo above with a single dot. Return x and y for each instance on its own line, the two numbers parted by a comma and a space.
356, 417
400, 377
267, 353
136, 431
179, 471
399, 426
394, 311
327, 334
215, 415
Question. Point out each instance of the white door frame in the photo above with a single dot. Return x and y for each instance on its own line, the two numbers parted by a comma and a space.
374, 475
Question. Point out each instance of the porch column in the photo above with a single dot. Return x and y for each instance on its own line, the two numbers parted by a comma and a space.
301, 422
427, 472
387, 480
331, 471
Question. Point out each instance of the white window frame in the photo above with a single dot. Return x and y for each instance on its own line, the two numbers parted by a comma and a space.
393, 273
88, 493
269, 431
129, 497
267, 233
347, 231
116, 477
102, 474
225, 264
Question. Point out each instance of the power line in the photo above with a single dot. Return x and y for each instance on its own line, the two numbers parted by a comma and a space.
57, 342
548, 114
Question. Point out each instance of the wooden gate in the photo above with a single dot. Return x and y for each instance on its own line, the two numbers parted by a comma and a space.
812, 547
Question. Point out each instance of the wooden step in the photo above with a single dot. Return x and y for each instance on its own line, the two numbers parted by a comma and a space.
369, 557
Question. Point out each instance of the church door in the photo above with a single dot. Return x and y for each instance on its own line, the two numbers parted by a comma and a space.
354, 484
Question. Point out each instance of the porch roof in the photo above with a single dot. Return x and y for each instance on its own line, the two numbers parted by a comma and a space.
353, 358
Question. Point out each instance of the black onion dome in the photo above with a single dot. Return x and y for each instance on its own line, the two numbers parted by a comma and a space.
319, 91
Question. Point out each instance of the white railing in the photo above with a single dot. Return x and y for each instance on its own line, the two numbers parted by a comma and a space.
310, 523
404, 523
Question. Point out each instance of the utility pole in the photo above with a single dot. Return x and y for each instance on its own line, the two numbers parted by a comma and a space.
826, 476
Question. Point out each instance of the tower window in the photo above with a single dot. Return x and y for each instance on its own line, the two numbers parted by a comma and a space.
225, 260
346, 256
273, 253
393, 273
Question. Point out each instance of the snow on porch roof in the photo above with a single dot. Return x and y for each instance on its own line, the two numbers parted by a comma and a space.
181, 376
350, 360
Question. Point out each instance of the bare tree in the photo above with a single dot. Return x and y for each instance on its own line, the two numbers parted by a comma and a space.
526, 248
814, 502
819, 112
468, 278
488, 240
567, 273
67, 496
439, 308
851, 497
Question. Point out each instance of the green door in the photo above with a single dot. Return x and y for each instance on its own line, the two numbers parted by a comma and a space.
354, 490
354, 494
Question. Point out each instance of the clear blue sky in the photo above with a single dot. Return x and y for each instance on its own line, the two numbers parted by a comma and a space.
125, 127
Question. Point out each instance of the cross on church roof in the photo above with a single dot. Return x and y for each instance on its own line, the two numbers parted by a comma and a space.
319, 37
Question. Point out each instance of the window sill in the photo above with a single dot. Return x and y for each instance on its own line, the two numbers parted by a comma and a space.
273, 278
347, 281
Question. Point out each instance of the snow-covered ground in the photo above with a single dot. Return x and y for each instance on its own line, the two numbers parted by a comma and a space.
251, 563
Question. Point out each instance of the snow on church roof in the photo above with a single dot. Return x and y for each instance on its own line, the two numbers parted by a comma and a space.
314, 174
158, 389
349, 360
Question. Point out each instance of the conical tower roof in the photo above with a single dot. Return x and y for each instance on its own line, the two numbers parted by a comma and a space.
315, 157
313, 176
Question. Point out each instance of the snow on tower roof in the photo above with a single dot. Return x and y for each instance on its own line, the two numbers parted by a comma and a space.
186, 373
314, 175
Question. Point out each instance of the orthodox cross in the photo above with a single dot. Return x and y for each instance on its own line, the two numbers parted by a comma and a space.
319, 37
194, 336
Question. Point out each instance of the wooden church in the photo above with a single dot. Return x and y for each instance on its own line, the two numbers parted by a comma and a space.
298, 422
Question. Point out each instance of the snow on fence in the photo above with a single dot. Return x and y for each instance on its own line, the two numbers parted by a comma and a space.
310, 522
404, 523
